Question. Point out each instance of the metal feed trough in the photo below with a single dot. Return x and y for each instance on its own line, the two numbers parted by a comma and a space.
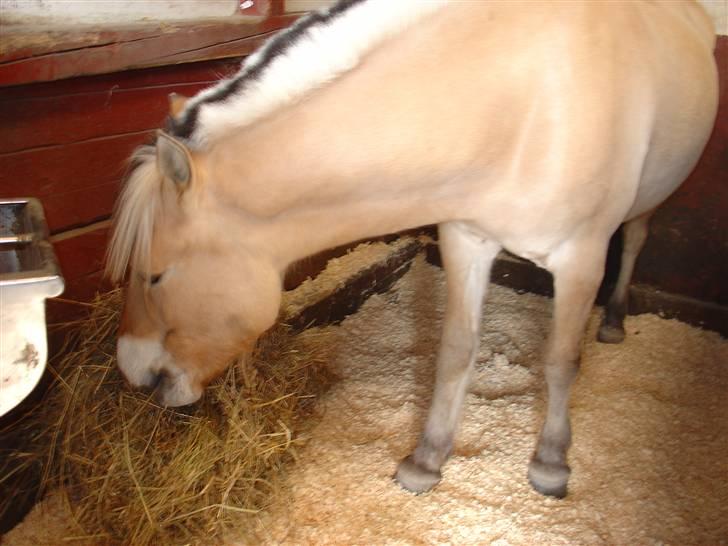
29, 274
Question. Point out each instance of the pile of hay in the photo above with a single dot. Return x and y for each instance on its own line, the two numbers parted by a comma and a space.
137, 473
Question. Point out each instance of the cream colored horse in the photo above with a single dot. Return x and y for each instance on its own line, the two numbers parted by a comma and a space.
531, 126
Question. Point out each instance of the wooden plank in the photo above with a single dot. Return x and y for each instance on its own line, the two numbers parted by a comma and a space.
349, 297
24, 43
198, 72
81, 259
82, 255
56, 174
35, 122
129, 49
79, 208
232, 48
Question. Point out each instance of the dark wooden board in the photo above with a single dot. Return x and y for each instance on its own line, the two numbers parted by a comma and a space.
76, 183
43, 122
348, 298
66, 53
202, 71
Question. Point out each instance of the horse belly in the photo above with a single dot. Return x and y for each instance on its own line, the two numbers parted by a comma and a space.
668, 164
685, 100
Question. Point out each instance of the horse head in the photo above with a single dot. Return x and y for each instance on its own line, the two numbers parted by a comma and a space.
197, 295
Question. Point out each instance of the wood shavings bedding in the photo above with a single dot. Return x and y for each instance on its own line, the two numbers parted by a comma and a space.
649, 421
336, 273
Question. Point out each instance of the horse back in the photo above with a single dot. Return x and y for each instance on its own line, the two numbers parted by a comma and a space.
511, 106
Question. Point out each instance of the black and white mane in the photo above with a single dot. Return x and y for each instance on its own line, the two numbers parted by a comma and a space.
316, 49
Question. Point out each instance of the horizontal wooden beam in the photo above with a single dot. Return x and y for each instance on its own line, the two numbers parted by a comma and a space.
76, 183
355, 290
31, 56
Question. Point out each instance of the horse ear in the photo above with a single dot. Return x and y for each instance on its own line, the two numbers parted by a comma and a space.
177, 103
174, 160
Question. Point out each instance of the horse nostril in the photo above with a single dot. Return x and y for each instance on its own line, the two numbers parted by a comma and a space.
157, 380
154, 382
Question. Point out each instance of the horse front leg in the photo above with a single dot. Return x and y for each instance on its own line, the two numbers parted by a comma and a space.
467, 259
578, 270
634, 234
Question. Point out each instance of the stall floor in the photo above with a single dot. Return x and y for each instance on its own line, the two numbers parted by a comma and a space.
649, 457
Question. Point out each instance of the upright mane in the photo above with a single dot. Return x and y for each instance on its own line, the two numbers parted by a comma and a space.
317, 49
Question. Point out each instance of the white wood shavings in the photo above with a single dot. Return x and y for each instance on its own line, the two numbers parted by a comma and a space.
337, 272
649, 418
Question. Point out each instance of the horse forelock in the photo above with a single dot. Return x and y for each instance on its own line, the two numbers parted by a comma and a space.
134, 216
317, 49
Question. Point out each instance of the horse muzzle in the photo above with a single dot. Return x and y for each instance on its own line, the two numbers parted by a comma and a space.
145, 364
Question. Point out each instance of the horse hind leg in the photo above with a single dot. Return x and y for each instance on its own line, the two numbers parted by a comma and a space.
467, 259
578, 269
634, 234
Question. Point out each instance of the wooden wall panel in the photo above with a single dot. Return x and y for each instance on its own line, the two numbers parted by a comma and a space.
82, 254
203, 71
48, 55
35, 122
68, 142
81, 258
80, 207
56, 173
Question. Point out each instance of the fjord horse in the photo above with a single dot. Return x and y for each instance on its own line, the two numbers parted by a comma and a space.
529, 126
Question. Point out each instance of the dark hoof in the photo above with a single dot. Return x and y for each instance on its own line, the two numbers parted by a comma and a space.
610, 334
549, 479
416, 478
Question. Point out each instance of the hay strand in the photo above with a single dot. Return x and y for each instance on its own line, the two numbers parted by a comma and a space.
136, 473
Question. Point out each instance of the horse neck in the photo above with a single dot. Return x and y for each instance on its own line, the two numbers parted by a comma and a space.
303, 189
356, 158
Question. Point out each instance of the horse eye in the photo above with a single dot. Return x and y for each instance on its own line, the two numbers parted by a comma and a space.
151, 280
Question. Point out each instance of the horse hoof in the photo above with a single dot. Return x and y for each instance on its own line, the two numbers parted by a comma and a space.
610, 334
416, 478
549, 479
